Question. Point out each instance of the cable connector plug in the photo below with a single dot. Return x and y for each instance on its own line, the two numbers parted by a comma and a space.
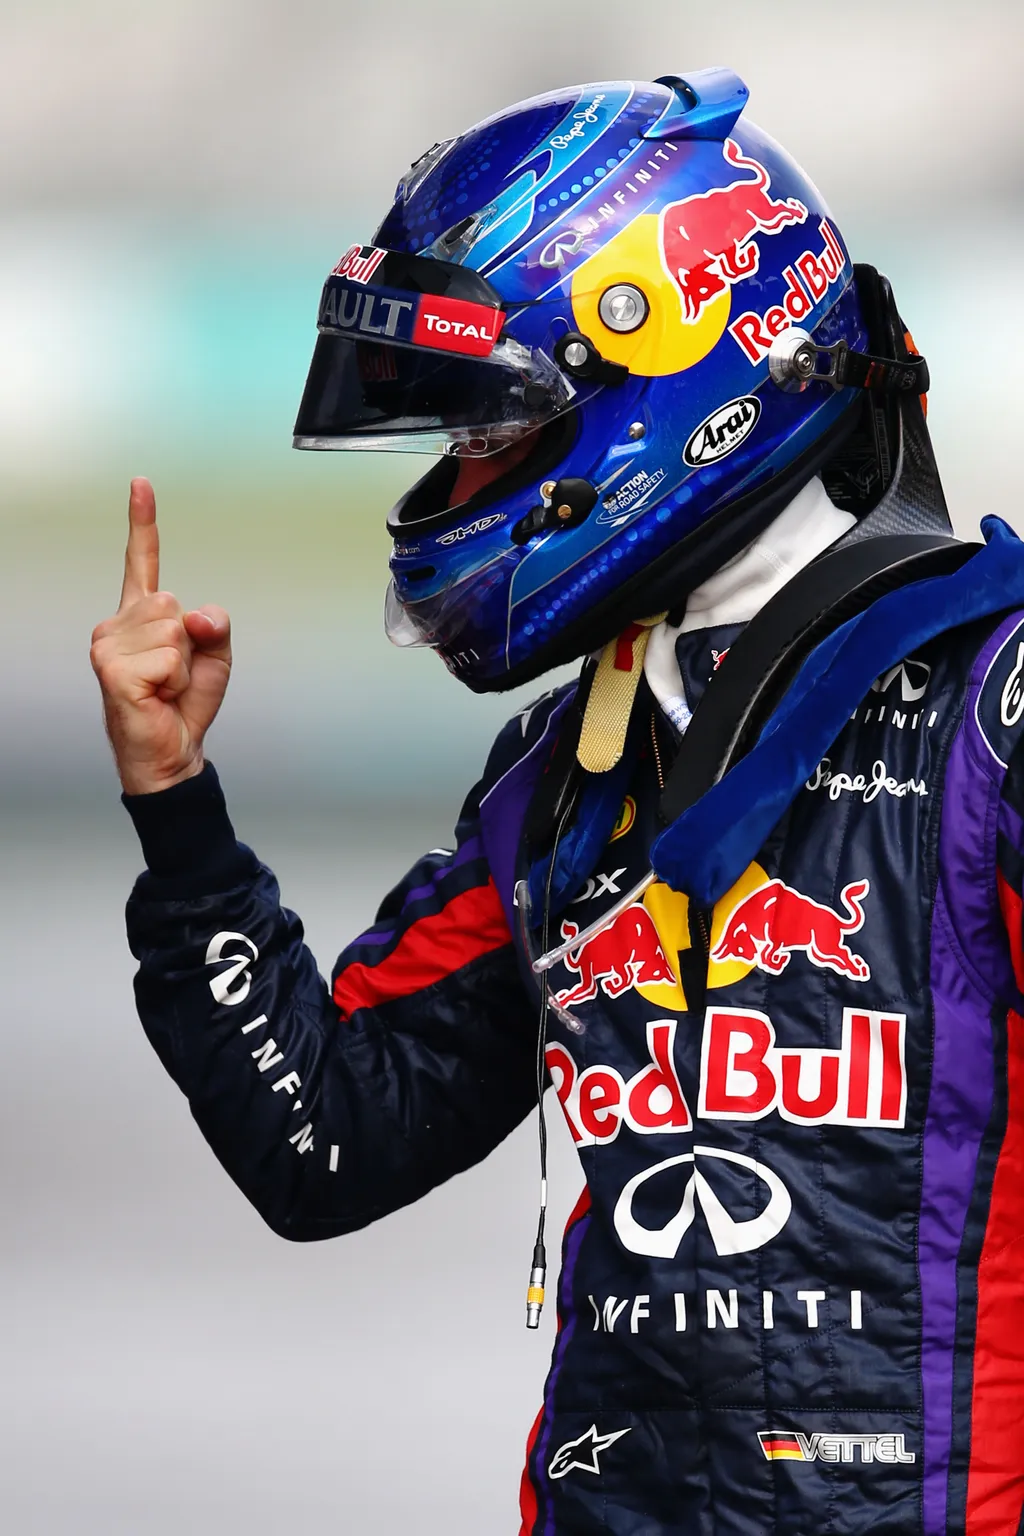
535, 1290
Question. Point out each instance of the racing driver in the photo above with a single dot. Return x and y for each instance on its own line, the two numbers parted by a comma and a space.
747, 893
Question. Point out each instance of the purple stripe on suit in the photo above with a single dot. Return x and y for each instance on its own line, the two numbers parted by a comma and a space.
970, 973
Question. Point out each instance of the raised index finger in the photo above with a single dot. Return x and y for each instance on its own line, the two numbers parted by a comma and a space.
142, 556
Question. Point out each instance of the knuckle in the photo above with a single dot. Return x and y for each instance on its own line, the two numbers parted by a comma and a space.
170, 658
164, 605
110, 673
171, 632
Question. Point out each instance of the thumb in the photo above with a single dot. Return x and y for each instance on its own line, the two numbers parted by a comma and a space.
209, 629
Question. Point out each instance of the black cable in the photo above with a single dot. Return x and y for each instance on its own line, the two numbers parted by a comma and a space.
538, 1268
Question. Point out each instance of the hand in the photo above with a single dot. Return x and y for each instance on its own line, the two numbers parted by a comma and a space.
163, 672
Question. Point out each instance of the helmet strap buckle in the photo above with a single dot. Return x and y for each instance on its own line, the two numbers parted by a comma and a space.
795, 361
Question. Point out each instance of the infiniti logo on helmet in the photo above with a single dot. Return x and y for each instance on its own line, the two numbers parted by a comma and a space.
723, 431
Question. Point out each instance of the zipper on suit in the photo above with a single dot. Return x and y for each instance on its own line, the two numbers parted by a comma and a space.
693, 962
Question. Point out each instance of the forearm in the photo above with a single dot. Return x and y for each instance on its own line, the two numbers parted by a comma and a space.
325, 1122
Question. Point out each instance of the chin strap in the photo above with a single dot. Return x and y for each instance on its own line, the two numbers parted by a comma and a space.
610, 703
795, 360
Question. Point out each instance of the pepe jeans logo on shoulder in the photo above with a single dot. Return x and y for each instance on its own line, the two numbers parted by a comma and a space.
999, 706
723, 431
869, 789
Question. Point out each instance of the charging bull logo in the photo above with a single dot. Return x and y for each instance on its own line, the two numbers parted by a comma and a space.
766, 927
708, 241
758, 925
626, 954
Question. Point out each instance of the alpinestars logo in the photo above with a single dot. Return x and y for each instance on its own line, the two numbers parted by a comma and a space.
581, 1455
781, 1445
1011, 700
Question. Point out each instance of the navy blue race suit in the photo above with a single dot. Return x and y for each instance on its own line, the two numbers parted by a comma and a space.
790, 1296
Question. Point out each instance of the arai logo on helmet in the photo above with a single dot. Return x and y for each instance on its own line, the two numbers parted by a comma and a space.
723, 431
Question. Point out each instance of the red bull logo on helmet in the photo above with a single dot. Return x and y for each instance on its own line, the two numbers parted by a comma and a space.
710, 241
359, 263
808, 280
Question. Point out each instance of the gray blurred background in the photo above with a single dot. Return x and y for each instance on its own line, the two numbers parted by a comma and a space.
177, 178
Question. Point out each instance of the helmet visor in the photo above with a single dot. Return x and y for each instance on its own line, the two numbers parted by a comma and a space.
416, 359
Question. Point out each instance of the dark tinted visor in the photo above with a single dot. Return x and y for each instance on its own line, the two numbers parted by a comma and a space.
412, 354
377, 391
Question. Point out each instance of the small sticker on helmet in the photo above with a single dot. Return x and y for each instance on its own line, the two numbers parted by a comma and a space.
723, 431
359, 263
456, 325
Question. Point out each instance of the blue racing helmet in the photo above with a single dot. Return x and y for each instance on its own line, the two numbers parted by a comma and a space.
642, 283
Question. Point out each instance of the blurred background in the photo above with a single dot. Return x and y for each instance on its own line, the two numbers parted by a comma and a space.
178, 177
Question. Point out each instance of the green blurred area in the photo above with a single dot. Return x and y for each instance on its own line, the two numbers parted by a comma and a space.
293, 537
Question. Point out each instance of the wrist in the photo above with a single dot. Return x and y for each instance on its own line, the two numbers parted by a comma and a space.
144, 781
186, 833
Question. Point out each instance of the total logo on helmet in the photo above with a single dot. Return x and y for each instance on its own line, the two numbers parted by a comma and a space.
760, 924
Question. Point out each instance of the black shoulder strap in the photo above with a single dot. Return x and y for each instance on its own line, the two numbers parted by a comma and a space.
559, 780
765, 658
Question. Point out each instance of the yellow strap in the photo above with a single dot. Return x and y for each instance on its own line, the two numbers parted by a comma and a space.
610, 704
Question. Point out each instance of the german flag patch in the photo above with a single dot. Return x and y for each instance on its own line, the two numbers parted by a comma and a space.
780, 1446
